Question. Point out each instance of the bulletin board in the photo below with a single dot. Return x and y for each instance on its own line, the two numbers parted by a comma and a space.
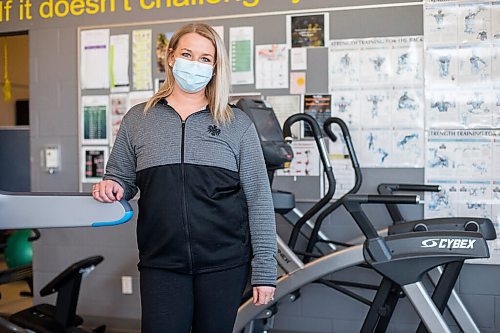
270, 37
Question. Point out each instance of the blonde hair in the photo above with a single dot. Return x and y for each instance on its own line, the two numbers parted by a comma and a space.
217, 90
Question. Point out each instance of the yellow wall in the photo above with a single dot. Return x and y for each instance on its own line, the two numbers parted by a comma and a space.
18, 70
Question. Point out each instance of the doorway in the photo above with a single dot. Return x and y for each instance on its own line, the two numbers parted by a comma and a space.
14, 112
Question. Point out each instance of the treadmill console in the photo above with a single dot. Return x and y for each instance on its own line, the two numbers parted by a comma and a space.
276, 151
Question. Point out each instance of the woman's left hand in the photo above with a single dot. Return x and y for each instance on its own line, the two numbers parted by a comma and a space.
263, 295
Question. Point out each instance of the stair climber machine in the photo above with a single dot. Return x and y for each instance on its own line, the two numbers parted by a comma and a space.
442, 278
402, 259
57, 210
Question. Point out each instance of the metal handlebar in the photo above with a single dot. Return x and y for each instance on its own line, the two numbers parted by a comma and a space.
318, 137
390, 188
383, 199
386, 187
353, 204
358, 178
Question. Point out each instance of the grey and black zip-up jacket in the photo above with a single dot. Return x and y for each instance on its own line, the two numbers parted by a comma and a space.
205, 202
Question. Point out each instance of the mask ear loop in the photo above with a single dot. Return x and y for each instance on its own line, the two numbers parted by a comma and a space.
169, 54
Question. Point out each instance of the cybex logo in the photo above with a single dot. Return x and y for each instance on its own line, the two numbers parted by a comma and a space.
430, 243
449, 243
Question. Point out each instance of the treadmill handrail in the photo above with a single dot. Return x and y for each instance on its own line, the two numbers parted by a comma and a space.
59, 210
318, 137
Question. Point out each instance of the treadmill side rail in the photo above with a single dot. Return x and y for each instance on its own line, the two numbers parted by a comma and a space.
289, 283
45, 210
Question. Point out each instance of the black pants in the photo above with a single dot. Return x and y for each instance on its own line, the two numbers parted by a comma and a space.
203, 303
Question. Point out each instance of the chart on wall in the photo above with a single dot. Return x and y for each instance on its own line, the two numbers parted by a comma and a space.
462, 54
94, 55
241, 44
119, 63
94, 121
466, 164
271, 66
95, 158
377, 88
462, 90
305, 161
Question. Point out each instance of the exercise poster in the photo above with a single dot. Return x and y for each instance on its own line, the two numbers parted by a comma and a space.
466, 164
95, 113
308, 30
95, 162
320, 108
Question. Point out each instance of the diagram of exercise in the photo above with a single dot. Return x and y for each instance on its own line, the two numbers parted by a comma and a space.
342, 104
477, 64
377, 62
439, 19
439, 201
406, 102
375, 99
345, 63
444, 66
373, 146
442, 203
482, 35
470, 19
443, 105
404, 63
441, 23
407, 141
305, 161
438, 159
474, 200
477, 104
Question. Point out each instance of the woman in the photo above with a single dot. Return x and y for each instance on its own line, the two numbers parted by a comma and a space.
205, 209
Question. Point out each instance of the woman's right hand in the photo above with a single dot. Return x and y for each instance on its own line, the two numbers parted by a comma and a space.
107, 191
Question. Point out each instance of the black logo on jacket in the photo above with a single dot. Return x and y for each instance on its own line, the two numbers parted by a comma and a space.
214, 130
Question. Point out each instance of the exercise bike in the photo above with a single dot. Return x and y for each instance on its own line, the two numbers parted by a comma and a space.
61, 317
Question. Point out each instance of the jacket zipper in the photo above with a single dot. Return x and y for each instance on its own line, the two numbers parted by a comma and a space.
184, 202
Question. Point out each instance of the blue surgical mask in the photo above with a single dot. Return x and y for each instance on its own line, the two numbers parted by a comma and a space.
192, 76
